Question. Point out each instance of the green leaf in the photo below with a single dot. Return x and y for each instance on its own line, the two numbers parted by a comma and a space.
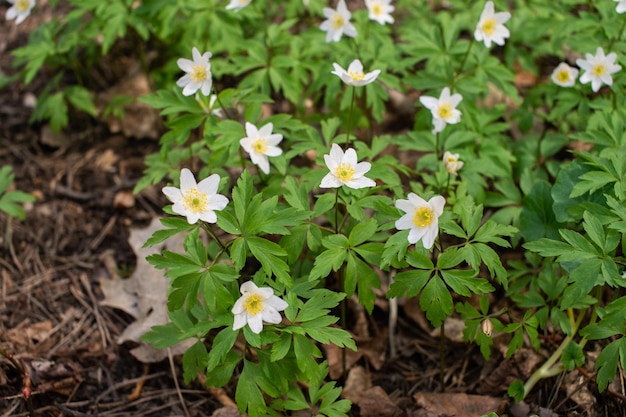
269, 254
80, 98
361, 275
516, 390
319, 305
463, 282
537, 219
221, 345
606, 364
410, 283
572, 356
436, 301
248, 395
362, 232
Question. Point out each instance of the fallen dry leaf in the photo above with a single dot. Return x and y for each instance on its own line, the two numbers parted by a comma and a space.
434, 404
376, 403
144, 294
358, 381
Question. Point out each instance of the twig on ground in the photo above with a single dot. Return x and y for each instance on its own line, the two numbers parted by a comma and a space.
180, 394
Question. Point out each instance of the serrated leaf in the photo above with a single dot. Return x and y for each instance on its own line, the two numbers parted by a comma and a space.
436, 301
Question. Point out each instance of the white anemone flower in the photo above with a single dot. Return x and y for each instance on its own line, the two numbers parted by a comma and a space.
261, 143
355, 75
452, 163
564, 75
380, 10
255, 306
196, 200
598, 69
345, 170
491, 27
20, 10
198, 73
621, 6
337, 22
238, 4
421, 218
443, 109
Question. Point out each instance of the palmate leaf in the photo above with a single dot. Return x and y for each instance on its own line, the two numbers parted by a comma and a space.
361, 275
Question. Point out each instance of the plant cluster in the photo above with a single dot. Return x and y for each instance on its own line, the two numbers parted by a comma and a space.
311, 203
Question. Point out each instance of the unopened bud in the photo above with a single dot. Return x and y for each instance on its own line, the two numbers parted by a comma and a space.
487, 327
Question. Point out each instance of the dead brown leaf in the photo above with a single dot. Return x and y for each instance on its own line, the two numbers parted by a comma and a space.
434, 404
143, 295
376, 403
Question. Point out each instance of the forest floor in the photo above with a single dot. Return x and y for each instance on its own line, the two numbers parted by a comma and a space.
60, 320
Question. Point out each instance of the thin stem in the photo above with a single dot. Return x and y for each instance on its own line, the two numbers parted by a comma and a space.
228, 115
437, 146
469, 48
348, 140
27, 389
207, 228
336, 211
550, 367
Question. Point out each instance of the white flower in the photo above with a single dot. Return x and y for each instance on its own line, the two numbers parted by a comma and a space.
421, 218
598, 69
238, 4
261, 143
255, 306
452, 163
20, 10
564, 75
210, 108
443, 109
196, 201
198, 75
337, 22
345, 170
355, 75
491, 27
380, 10
621, 6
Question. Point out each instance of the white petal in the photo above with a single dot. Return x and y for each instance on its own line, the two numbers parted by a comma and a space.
217, 202
361, 168
429, 102
336, 155
330, 181
246, 144
362, 182
273, 151
209, 185
256, 323
355, 66
208, 216
183, 81
173, 194
273, 140
429, 237
350, 157
185, 64
405, 222
277, 303
437, 203
417, 201
406, 206
187, 180
248, 287
239, 321
266, 130
270, 315
192, 217
416, 233
252, 131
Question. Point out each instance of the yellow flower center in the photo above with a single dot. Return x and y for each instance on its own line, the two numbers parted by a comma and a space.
563, 76
253, 304
260, 146
377, 9
598, 70
423, 217
22, 5
336, 21
451, 159
344, 172
356, 75
198, 74
489, 26
445, 110
194, 200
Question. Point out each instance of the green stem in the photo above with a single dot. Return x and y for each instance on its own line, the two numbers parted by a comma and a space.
207, 228
469, 48
550, 367
348, 137
336, 211
437, 153
621, 30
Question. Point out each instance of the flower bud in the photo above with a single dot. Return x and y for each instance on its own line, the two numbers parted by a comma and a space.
452, 163
487, 327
